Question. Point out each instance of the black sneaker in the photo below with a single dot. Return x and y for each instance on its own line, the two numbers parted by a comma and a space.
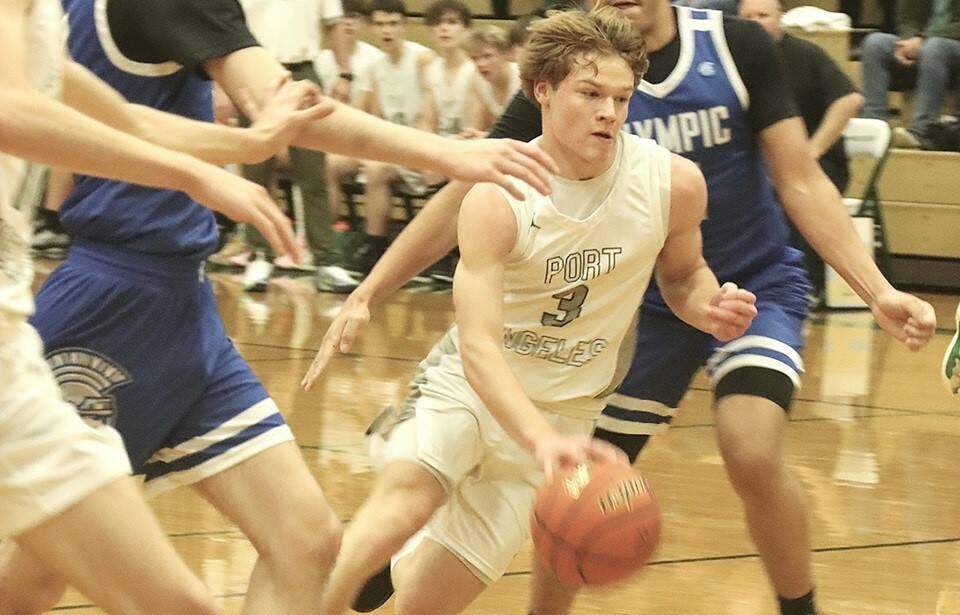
375, 592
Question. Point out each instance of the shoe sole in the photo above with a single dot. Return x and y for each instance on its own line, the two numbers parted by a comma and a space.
951, 377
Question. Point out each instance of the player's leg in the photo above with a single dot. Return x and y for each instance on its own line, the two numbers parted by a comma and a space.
403, 499
754, 380
111, 548
75, 514
279, 506
419, 593
547, 595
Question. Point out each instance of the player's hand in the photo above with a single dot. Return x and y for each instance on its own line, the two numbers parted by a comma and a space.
289, 106
339, 337
905, 317
555, 452
493, 160
731, 312
245, 201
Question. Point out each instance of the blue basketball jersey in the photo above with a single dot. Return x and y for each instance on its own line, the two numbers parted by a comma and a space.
161, 222
700, 112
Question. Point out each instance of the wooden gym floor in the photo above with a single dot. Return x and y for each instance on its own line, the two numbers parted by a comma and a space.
875, 441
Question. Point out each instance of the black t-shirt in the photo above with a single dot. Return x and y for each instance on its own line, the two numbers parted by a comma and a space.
756, 58
816, 82
188, 32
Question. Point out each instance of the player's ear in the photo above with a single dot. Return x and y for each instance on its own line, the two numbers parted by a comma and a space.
542, 91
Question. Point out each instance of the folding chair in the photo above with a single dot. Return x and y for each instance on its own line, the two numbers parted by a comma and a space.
864, 138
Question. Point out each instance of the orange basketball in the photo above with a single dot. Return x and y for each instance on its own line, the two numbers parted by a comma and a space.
595, 523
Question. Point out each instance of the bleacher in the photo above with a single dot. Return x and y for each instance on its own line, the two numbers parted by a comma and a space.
919, 191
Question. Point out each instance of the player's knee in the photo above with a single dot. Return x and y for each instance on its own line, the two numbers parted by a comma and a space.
309, 536
407, 497
752, 469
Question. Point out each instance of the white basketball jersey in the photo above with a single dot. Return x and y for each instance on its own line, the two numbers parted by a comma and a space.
450, 97
363, 56
572, 287
398, 85
490, 101
44, 42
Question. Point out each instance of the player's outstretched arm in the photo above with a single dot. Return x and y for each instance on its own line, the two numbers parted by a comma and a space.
487, 232
38, 128
814, 205
353, 133
288, 106
430, 236
687, 283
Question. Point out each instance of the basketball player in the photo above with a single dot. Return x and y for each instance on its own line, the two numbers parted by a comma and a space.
449, 74
132, 310
545, 292
496, 79
950, 371
715, 93
66, 497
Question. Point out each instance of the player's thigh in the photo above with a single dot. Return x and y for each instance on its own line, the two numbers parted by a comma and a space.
49, 458
273, 484
111, 547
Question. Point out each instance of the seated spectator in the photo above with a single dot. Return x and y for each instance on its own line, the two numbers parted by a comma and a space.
496, 81
361, 56
292, 33
393, 91
928, 38
826, 100
449, 75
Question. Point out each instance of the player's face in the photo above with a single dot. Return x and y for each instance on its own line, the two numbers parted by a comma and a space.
643, 14
350, 23
764, 12
388, 29
490, 61
586, 110
449, 31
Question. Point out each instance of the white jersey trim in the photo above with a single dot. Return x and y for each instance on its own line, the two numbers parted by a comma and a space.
631, 428
251, 416
726, 58
684, 62
121, 61
755, 341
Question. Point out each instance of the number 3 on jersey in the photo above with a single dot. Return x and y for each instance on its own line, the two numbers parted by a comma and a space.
570, 306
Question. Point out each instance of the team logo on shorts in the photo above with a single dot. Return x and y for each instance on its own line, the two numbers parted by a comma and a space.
86, 380
707, 69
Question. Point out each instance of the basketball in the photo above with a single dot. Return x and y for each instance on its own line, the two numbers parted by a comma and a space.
596, 523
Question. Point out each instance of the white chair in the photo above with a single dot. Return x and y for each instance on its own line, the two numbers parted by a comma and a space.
871, 139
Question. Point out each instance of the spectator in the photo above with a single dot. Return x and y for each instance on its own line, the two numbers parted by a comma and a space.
361, 56
449, 75
394, 92
291, 31
928, 38
497, 79
826, 100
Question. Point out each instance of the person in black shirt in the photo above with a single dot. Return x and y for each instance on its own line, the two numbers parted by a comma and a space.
716, 92
826, 99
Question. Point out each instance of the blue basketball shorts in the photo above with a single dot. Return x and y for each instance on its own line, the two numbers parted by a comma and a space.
135, 341
669, 352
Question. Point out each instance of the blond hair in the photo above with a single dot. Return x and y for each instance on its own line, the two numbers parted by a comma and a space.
486, 36
558, 41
